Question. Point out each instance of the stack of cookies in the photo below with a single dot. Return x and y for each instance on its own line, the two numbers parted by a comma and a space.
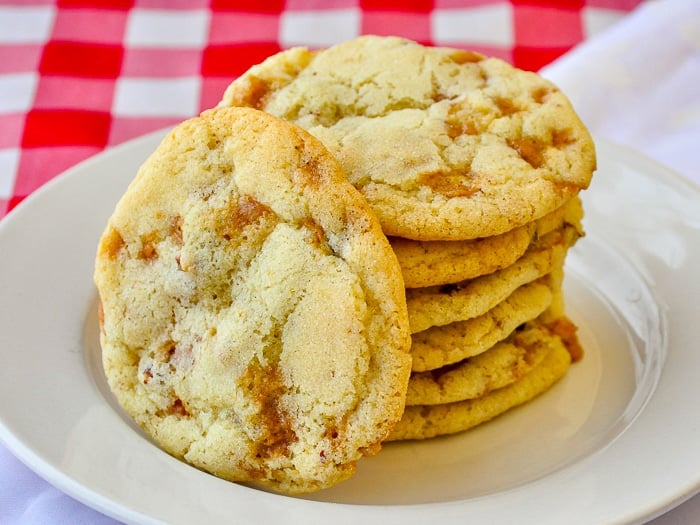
473, 169
360, 244
488, 326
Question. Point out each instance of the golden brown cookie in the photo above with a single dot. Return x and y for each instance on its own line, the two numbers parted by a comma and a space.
253, 313
497, 367
444, 345
442, 305
445, 144
426, 421
433, 263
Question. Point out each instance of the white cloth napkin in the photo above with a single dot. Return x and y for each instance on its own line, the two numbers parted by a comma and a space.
637, 83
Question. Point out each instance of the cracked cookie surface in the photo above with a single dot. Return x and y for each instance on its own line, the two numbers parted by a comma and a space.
252, 311
445, 144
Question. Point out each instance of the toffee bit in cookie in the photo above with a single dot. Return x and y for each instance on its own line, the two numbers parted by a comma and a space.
247, 211
112, 243
176, 230
178, 408
266, 386
466, 57
562, 137
149, 251
317, 234
567, 331
506, 106
451, 183
530, 149
540, 94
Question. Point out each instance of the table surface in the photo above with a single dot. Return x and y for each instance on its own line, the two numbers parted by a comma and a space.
80, 76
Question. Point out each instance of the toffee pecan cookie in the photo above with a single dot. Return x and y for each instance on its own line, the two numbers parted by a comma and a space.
253, 318
497, 367
445, 144
440, 346
433, 263
427, 421
442, 305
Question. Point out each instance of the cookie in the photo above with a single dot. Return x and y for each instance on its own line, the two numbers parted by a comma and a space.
440, 346
433, 263
497, 367
445, 144
427, 421
567, 331
442, 305
570, 213
253, 319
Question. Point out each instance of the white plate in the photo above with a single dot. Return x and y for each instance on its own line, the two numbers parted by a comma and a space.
617, 440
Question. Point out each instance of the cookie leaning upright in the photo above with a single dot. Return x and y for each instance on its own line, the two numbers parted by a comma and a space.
252, 311
444, 144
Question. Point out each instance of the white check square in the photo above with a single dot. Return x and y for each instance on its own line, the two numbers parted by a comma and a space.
17, 92
9, 160
156, 97
159, 28
319, 28
26, 25
485, 25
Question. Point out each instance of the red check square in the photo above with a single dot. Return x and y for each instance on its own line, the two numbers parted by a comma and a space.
19, 58
270, 6
465, 4
172, 5
233, 60
619, 5
65, 127
39, 165
535, 58
73, 58
547, 27
78, 25
113, 4
126, 128
228, 28
414, 25
11, 129
161, 63
423, 6
85, 94
551, 4
318, 5
11, 203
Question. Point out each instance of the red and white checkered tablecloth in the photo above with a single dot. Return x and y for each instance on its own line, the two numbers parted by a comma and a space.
78, 76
